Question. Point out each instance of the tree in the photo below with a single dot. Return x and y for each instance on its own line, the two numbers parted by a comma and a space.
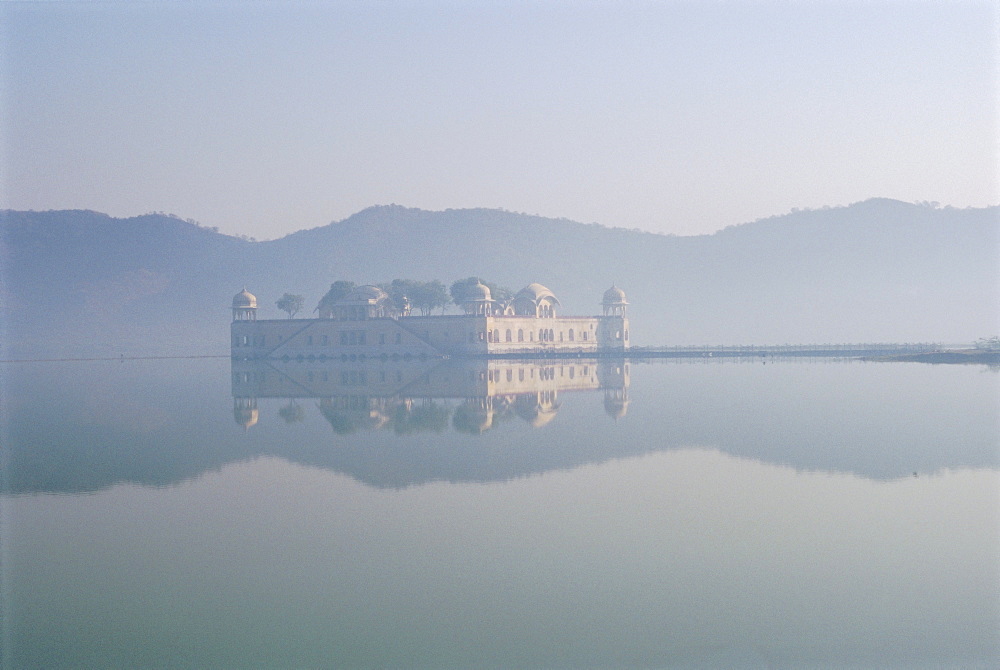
499, 293
429, 295
400, 292
424, 295
460, 289
339, 290
290, 303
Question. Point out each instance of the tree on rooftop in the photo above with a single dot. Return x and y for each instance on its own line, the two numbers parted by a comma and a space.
290, 303
424, 295
429, 295
339, 290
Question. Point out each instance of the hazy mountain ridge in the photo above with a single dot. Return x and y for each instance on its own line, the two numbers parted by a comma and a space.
880, 270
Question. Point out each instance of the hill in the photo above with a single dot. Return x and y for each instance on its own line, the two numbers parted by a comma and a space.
880, 270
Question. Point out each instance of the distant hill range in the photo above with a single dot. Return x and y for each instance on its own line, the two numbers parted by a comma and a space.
83, 283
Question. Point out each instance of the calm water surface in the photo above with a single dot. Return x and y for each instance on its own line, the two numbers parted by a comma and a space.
517, 514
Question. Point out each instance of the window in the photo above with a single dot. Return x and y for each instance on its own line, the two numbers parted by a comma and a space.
570, 334
520, 335
508, 336
496, 335
584, 336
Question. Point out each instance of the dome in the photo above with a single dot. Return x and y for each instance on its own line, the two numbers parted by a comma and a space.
244, 299
614, 296
478, 291
535, 292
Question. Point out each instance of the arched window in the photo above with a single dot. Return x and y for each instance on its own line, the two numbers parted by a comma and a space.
489, 335
496, 335
571, 335
508, 335
520, 335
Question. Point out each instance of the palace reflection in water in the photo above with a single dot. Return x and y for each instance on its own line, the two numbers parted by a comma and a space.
411, 394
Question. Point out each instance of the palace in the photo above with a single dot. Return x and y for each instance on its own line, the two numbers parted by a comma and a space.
366, 322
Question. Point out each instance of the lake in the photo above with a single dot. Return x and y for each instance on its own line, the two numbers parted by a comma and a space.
580, 513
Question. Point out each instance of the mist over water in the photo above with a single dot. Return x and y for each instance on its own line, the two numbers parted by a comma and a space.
782, 514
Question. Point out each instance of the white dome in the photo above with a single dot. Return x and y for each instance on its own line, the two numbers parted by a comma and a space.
478, 291
614, 296
244, 300
535, 292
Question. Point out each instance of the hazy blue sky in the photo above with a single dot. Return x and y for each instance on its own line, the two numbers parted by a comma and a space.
263, 118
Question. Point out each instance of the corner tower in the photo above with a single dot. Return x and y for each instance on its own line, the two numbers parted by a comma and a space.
612, 334
244, 306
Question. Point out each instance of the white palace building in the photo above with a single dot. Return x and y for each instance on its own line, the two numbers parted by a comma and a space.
367, 323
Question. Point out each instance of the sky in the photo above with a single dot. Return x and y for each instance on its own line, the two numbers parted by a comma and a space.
262, 118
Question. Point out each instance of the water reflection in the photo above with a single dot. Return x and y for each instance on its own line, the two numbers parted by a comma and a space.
734, 516
73, 427
412, 396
